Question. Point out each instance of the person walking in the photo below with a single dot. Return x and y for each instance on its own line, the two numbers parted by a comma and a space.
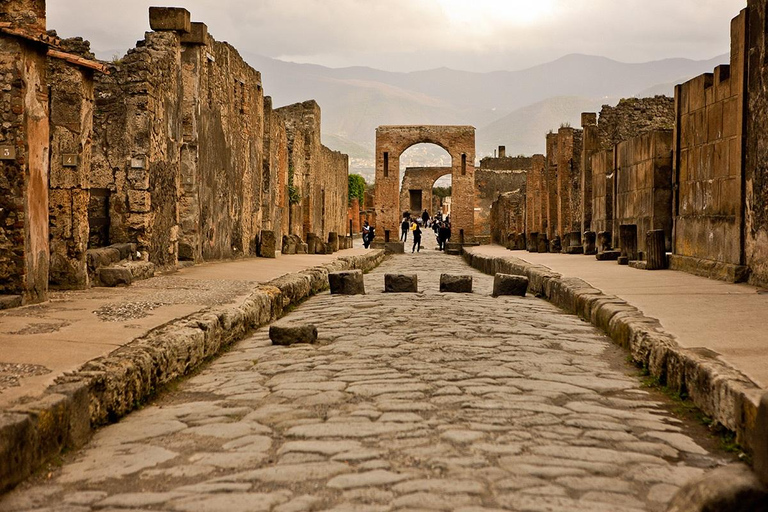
442, 236
404, 230
366, 234
425, 218
416, 238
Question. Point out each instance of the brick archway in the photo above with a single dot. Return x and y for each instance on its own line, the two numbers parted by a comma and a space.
458, 141
421, 179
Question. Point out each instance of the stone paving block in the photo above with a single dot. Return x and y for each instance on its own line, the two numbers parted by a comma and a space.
506, 284
349, 282
292, 333
115, 276
401, 283
455, 284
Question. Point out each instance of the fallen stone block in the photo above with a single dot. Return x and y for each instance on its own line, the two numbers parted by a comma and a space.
506, 284
268, 245
455, 284
608, 255
333, 241
349, 282
312, 243
289, 333
302, 249
102, 257
289, 245
114, 276
555, 245
733, 488
574, 249
394, 247
590, 243
401, 283
10, 301
638, 264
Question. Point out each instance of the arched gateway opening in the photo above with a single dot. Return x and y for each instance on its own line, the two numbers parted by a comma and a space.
458, 141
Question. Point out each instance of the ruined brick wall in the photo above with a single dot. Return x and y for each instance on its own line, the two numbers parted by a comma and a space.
224, 133
71, 131
603, 173
633, 117
505, 163
591, 145
489, 184
756, 158
536, 194
644, 185
354, 213
569, 147
24, 155
708, 224
550, 186
507, 215
137, 142
275, 186
333, 177
420, 179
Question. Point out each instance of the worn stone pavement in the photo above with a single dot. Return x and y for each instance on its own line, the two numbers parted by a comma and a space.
424, 401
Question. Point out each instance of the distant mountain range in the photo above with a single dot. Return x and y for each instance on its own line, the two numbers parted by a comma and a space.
511, 108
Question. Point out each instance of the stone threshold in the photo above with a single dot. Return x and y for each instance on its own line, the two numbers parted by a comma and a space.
107, 388
716, 388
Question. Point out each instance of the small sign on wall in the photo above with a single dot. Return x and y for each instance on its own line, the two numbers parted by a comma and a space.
138, 162
7, 153
69, 160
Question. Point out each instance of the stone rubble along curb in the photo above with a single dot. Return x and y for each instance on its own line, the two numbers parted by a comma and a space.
109, 387
716, 388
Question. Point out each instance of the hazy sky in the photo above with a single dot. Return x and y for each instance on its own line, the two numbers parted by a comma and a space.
407, 35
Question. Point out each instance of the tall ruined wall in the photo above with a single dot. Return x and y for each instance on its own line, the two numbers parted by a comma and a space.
505, 163
489, 184
756, 175
334, 172
71, 132
603, 173
569, 147
275, 198
223, 135
590, 146
137, 141
24, 155
536, 194
709, 162
550, 185
507, 216
644, 185
633, 117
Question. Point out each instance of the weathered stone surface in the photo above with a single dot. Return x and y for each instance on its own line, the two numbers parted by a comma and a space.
291, 333
455, 284
169, 18
401, 283
608, 256
453, 248
505, 284
115, 276
734, 488
268, 245
350, 282
760, 440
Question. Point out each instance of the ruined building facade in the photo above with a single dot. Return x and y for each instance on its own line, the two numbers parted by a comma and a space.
171, 154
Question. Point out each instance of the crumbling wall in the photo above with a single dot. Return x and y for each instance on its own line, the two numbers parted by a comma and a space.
507, 216
275, 182
644, 185
633, 117
334, 172
708, 223
71, 131
591, 145
603, 173
489, 184
422, 179
756, 168
536, 194
24, 154
569, 147
550, 185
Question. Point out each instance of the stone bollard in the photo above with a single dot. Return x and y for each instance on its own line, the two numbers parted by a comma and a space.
543, 245
349, 282
628, 243
533, 242
267, 244
289, 245
333, 241
574, 243
590, 243
520, 242
506, 284
401, 283
604, 241
311, 243
286, 333
511, 241
455, 284
655, 250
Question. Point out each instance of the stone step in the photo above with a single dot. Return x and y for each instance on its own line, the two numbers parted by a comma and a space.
124, 273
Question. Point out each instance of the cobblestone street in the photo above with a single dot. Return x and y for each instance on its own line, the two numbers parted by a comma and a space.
421, 401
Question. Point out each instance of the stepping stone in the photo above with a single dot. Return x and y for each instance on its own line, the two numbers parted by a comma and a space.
401, 283
505, 284
290, 333
455, 284
347, 283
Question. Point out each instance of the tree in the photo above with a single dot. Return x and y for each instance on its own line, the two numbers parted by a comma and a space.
356, 188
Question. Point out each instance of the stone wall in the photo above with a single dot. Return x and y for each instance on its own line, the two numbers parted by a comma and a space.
421, 180
632, 117
24, 154
756, 157
569, 147
490, 184
644, 185
71, 132
507, 216
591, 145
603, 173
550, 186
709, 175
536, 194
275, 181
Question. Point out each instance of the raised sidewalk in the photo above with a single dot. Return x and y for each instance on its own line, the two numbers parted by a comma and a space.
705, 337
85, 358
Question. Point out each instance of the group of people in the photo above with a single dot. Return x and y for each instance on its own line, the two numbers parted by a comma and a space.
441, 226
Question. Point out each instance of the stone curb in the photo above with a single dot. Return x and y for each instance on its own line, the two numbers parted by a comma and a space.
716, 388
107, 388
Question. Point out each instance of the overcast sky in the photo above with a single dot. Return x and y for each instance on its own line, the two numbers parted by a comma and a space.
408, 35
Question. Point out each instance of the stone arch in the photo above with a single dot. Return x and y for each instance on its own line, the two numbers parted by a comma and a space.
422, 179
392, 141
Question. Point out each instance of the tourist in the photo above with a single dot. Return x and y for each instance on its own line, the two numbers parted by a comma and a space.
366, 234
416, 238
443, 234
404, 230
425, 217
